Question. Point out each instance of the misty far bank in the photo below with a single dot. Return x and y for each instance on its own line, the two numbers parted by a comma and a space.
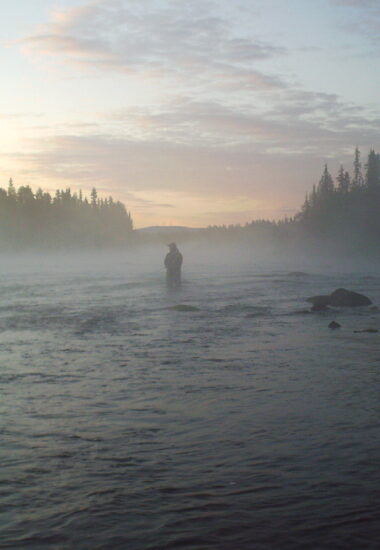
337, 217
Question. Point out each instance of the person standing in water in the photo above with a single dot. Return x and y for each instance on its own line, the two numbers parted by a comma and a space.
173, 264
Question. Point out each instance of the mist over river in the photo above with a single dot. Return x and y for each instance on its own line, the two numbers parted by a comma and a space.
243, 424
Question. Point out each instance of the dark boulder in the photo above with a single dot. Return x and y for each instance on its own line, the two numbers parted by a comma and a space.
347, 298
339, 298
334, 325
319, 307
319, 302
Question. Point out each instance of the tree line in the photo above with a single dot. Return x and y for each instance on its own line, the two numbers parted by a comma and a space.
347, 207
37, 219
344, 212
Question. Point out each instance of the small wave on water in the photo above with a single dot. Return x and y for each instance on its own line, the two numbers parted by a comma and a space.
212, 417
247, 309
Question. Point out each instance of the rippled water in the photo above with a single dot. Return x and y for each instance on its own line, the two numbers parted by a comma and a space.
244, 424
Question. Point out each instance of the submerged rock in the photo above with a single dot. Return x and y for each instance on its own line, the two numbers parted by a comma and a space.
184, 307
334, 324
367, 330
339, 298
319, 307
301, 312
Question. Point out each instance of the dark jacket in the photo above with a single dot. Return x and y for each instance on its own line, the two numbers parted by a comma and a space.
173, 260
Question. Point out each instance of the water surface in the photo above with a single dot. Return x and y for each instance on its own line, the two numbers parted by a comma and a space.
243, 424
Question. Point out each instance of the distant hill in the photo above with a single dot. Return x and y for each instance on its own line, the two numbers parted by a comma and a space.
168, 229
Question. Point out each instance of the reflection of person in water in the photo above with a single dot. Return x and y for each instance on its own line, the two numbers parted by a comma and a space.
173, 263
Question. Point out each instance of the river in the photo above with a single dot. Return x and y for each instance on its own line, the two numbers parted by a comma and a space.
240, 423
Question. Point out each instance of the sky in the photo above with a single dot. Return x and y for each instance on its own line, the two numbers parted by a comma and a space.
195, 113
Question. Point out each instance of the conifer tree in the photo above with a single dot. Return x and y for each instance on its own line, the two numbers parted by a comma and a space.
11, 189
326, 184
94, 197
343, 180
372, 171
357, 179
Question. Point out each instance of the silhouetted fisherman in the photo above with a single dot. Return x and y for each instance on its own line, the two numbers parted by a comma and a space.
173, 264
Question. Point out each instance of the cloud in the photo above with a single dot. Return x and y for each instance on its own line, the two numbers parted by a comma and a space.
192, 146
145, 204
189, 42
363, 4
204, 53
122, 166
10, 116
296, 122
362, 17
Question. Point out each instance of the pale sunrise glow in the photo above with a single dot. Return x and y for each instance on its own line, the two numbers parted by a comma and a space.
191, 113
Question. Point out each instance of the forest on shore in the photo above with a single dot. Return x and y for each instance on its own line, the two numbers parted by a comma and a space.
348, 207
340, 213
31, 220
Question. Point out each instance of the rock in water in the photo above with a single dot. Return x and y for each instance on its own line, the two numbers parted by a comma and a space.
319, 307
339, 298
367, 330
347, 298
319, 302
334, 324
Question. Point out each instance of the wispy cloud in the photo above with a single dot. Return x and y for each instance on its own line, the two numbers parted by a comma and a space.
212, 62
362, 18
295, 121
10, 116
188, 42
